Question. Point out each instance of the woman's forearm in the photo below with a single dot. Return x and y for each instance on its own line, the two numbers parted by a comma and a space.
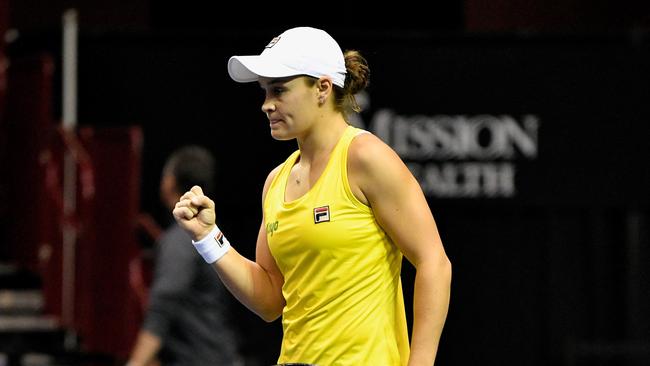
430, 305
251, 284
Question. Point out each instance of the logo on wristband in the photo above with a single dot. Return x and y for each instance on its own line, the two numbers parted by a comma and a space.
219, 239
321, 214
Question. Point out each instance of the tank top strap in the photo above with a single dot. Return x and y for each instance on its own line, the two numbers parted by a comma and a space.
288, 164
342, 166
342, 147
276, 190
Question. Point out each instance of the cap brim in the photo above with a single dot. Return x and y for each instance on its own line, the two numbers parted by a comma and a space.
245, 69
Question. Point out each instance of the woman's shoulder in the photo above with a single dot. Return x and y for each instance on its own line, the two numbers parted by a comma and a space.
375, 168
271, 175
367, 150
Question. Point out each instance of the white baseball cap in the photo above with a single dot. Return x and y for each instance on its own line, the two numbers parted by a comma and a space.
297, 51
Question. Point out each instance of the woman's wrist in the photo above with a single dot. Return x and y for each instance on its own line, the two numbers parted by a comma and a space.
203, 234
212, 246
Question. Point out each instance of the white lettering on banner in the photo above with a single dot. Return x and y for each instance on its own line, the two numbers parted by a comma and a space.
460, 156
466, 180
482, 137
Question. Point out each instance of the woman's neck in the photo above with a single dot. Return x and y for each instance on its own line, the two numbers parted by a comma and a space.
321, 139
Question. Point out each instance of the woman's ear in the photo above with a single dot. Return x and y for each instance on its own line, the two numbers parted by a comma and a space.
324, 87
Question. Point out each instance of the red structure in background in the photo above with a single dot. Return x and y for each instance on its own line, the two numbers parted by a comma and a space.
107, 311
33, 218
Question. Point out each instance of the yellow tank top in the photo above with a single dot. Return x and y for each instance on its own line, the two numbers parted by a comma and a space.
342, 286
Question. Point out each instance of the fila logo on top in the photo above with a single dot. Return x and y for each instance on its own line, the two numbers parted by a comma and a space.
321, 214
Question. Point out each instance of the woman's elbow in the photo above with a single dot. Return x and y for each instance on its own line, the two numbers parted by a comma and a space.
446, 268
270, 311
441, 269
269, 315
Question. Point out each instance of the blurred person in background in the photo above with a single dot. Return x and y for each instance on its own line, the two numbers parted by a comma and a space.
186, 321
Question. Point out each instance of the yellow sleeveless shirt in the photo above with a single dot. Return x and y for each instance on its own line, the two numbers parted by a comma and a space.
342, 286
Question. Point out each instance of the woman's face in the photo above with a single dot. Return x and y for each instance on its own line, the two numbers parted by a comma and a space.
290, 104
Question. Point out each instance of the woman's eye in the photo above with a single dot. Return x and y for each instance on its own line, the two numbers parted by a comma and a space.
274, 91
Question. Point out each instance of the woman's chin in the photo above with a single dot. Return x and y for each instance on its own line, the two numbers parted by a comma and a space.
280, 134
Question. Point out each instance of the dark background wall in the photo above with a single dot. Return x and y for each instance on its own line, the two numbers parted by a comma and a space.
554, 274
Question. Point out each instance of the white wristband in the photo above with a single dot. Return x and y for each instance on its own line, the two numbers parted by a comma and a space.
213, 246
